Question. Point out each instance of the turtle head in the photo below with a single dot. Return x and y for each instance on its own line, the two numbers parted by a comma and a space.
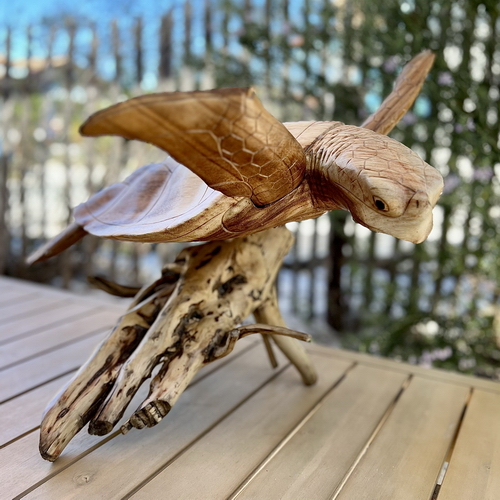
386, 186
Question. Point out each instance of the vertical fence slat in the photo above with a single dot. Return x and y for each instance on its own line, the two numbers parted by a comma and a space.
4, 207
165, 68
138, 47
6, 83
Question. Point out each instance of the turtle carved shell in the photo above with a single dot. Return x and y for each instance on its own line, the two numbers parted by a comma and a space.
233, 169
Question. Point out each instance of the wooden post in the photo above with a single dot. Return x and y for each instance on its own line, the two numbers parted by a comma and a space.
165, 67
4, 206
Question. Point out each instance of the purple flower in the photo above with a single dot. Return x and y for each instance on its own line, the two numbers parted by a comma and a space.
483, 174
445, 78
470, 125
391, 64
409, 118
450, 183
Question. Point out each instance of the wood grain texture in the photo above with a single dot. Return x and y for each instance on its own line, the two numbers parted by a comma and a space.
20, 463
418, 433
310, 454
319, 455
406, 89
235, 170
32, 372
13, 297
474, 469
435, 374
181, 325
51, 316
50, 337
257, 427
16, 423
125, 462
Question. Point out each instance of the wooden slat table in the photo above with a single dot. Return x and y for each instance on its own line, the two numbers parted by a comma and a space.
369, 429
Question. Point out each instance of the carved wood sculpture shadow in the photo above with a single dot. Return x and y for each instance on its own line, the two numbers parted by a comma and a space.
234, 176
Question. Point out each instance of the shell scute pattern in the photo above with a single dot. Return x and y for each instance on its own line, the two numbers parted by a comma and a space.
246, 142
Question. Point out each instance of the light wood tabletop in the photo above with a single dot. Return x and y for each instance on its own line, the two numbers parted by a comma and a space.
368, 429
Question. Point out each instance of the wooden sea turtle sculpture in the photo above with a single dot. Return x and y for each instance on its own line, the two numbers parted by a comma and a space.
234, 170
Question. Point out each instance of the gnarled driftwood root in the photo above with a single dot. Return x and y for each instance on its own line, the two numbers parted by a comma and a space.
189, 317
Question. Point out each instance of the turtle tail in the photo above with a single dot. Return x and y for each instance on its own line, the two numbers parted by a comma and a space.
73, 233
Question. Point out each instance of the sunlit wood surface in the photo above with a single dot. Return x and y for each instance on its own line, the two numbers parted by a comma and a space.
369, 429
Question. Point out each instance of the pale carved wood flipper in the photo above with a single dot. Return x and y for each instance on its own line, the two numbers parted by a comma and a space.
159, 202
68, 237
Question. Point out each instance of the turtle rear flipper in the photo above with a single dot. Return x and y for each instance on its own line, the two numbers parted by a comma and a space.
69, 236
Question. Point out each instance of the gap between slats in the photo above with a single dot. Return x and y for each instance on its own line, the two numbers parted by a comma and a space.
449, 453
437, 374
290, 435
59, 321
370, 440
71, 462
59, 375
25, 296
97, 331
41, 308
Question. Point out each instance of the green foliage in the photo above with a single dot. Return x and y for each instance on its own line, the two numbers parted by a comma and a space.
461, 122
437, 341
450, 282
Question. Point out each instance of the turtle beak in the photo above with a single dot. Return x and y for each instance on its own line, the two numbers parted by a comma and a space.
418, 213
418, 217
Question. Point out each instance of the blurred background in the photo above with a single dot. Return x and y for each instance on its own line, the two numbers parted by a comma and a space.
434, 304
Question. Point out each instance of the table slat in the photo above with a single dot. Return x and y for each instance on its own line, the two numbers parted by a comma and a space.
22, 467
22, 310
474, 470
318, 457
15, 296
406, 456
44, 368
241, 442
439, 375
24, 413
96, 297
43, 319
50, 337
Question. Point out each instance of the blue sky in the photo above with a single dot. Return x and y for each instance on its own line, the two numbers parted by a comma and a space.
20, 13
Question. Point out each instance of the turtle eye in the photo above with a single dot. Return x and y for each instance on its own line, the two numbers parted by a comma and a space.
380, 204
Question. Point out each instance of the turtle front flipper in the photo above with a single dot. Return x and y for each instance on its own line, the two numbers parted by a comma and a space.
224, 136
406, 90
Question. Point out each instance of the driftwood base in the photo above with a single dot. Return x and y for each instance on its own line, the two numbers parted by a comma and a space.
189, 317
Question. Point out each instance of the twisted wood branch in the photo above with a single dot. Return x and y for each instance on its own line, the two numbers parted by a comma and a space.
188, 318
